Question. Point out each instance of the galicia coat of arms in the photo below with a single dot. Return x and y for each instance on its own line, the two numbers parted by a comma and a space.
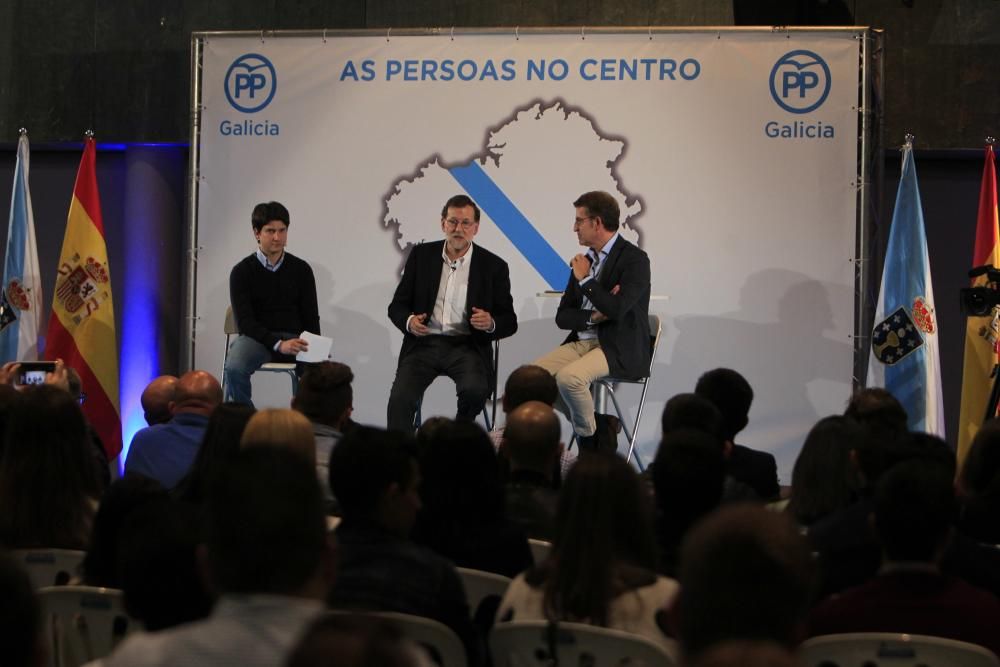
896, 337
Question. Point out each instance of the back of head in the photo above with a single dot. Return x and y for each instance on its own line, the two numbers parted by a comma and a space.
265, 524
914, 509
823, 478
746, 574
20, 616
878, 412
731, 394
353, 641
365, 463
325, 395
688, 475
197, 392
531, 437
529, 383
266, 212
981, 470
282, 428
156, 399
461, 478
691, 411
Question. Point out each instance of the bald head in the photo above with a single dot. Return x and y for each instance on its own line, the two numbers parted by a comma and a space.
156, 399
531, 437
196, 392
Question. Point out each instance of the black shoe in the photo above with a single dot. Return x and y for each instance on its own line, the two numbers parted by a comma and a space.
587, 443
607, 433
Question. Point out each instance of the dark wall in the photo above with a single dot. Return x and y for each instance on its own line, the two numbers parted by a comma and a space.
122, 68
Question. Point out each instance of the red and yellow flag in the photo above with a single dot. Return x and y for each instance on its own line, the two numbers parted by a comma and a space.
982, 347
82, 326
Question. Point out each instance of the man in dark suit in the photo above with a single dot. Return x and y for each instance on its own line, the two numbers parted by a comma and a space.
452, 302
606, 309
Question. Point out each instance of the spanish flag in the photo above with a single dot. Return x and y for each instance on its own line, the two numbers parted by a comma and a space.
82, 326
982, 347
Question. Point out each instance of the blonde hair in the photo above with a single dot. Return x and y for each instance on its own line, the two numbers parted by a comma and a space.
281, 428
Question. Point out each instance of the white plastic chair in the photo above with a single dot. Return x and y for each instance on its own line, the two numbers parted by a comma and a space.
541, 644
441, 642
82, 623
539, 549
891, 649
231, 330
50, 567
481, 586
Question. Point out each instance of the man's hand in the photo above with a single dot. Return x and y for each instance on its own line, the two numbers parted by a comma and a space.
418, 326
481, 319
292, 346
597, 317
581, 266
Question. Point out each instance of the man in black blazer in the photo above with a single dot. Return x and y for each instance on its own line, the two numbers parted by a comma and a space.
451, 303
606, 309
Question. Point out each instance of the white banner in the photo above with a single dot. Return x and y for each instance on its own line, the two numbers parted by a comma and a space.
733, 155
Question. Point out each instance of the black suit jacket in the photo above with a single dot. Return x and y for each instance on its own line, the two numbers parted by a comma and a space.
756, 469
624, 336
489, 289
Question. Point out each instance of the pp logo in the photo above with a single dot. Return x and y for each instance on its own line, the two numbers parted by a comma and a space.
251, 83
800, 81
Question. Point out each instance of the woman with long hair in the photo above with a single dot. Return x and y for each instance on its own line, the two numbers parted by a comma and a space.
601, 569
823, 478
219, 447
48, 487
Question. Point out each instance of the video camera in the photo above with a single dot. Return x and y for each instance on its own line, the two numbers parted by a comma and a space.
979, 301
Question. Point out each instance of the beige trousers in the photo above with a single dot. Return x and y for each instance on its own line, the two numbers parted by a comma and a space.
575, 366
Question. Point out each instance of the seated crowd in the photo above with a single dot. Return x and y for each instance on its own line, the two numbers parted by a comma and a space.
219, 532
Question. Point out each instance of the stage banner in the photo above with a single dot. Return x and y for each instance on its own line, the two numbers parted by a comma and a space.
733, 155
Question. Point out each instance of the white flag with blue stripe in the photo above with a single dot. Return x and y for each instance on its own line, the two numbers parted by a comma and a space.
21, 296
904, 352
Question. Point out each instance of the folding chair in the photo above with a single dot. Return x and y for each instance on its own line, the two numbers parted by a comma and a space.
539, 549
231, 329
544, 643
482, 587
440, 641
50, 567
82, 623
891, 649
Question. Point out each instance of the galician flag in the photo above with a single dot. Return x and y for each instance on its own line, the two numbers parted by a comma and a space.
981, 333
904, 355
21, 297
82, 326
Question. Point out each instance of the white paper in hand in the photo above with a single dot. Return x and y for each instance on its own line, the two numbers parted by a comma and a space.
319, 348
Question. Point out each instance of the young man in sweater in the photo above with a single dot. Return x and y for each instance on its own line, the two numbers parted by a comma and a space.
273, 294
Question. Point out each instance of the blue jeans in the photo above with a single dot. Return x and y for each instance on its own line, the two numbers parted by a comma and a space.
245, 356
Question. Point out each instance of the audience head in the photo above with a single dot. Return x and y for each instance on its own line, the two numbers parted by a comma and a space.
601, 205
156, 399
689, 472
981, 470
268, 212
529, 383
325, 395
823, 478
691, 411
279, 427
354, 641
196, 392
266, 528
878, 412
374, 476
746, 574
731, 394
531, 437
914, 510
219, 446
47, 477
20, 616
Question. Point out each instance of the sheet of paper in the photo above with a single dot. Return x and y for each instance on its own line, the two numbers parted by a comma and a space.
319, 348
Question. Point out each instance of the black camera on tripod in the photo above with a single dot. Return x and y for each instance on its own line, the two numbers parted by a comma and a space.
979, 301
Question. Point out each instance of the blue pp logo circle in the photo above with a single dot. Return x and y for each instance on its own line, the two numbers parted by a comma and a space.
800, 81
250, 83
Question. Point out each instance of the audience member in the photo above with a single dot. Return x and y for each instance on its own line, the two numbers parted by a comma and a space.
532, 447
914, 509
601, 569
326, 398
48, 489
164, 452
823, 479
156, 399
279, 427
356, 641
746, 574
688, 477
746, 654
98, 455
979, 486
375, 478
879, 412
732, 395
9, 400
219, 447
269, 556
125, 496
20, 617
463, 514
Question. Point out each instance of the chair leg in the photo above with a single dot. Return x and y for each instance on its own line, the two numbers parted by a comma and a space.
638, 416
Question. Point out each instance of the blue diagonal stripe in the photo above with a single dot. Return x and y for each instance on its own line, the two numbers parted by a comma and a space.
512, 223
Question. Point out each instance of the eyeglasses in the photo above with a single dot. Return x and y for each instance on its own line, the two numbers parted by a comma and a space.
453, 223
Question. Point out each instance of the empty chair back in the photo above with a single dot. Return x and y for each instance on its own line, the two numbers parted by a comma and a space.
544, 643
441, 643
50, 567
482, 588
82, 623
890, 649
